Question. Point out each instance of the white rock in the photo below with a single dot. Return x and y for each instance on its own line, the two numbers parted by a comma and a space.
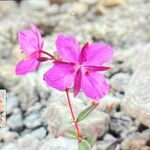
108, 103
52, 10
8, 136
6, 7
31, 94
137, 141
35, 4
139, 56
10, 146
40, 133
95, 124
137, 99
103, 145
97, 31
89, 2
8, 78
109, 137
110, 3
33, 120
36, 107
28, 142
59, 143
12, 102
15, 120
59, 2
99, 10
57, 114
75, 8
120, 81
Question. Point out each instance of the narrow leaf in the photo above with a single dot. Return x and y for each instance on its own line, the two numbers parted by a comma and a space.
67, 130
91, 140
70, 134
86, 112
84, 145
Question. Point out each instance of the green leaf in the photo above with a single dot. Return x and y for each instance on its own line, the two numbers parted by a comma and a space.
70, 134
67, 130
91, 140
112, 146
86, 112
84, 145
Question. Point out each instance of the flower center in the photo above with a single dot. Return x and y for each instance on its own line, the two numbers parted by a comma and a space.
83, 69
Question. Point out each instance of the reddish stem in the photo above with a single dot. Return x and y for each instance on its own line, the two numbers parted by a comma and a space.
48, 54
73, 117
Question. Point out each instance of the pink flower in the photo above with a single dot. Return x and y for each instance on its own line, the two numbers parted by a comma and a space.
31, 43
80, 68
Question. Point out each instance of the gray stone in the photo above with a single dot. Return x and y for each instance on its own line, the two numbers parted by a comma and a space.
106, 142
8, 136
103, 145
9, 146
6, 7
125, 27
75, 8
97, 32
31, 94
111, 3
12, 102
40, 133
36, 107
109, 137
89, 2
137, 99
59, 2
52, 10
56, 115
26, 131
37, 5
137, 141
8, 78
15, 121
139, 56
109, 103
121, 124
96, 124
99, 10
60, 143
33, 120
28, 142
120, 81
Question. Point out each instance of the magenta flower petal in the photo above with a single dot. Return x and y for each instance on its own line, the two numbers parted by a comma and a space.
60, 76
68, 48
83, 53
31, 43
94, 85
25, 66
97, 68
97, 54
77, 82
30, 40
37, 32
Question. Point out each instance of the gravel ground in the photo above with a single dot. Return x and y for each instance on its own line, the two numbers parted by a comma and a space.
36, 112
